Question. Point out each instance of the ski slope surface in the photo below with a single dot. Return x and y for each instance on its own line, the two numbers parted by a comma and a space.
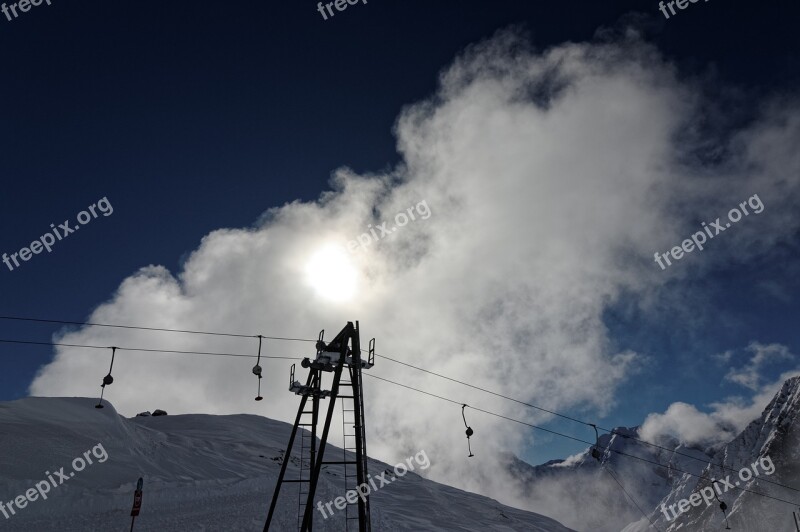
201, 473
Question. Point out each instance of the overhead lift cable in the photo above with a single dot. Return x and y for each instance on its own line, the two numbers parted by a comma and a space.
573, 438
141, 349
90, 324
556, 433
558, 414
563, 416
608, 469
570, 418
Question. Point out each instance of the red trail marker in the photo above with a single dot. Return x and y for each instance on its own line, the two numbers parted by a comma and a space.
137, 501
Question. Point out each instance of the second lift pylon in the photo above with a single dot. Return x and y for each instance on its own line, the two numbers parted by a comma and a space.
343, 352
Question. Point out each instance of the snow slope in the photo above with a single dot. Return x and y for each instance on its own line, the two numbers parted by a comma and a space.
201, 473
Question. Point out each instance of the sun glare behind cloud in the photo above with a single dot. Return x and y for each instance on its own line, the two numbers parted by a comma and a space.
332, 274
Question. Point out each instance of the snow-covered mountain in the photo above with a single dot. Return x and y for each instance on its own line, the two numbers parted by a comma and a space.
771, 440
585, 483
201, 473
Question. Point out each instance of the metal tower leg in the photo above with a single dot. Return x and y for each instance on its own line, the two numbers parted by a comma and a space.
286, 455
348, 347
343, 338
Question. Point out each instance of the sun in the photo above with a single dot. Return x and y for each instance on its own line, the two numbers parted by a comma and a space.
331, 273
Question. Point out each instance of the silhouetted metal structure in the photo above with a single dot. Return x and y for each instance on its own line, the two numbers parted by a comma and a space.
343, 352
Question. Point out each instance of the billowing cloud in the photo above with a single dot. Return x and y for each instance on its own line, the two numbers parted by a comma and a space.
729, 417
687, 424
551, 176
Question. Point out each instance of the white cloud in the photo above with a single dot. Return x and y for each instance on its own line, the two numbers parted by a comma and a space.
687, 424
726, 418
552, 178
749, 375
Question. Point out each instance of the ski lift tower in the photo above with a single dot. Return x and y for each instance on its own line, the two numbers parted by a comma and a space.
343, 352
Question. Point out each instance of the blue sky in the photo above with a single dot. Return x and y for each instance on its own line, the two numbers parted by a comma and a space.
189, 118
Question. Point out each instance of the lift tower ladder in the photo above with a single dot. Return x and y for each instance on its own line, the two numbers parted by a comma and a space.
353, 433
342, 352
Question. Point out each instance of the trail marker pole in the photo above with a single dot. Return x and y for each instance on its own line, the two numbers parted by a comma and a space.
137, 501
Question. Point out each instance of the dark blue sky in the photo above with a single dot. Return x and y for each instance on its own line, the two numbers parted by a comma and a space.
191, 116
